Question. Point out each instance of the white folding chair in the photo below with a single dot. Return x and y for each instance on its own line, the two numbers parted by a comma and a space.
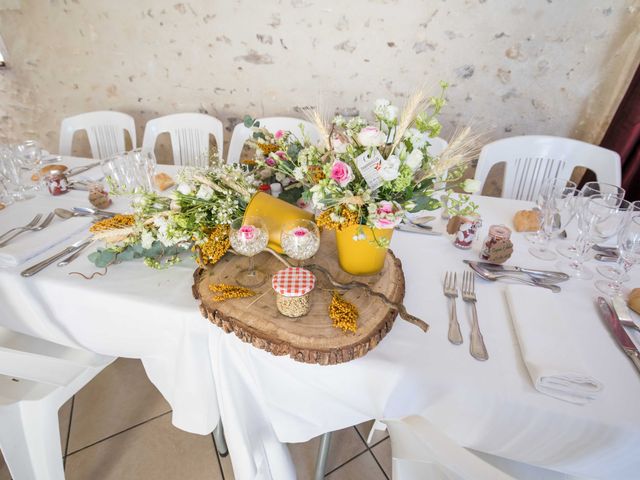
189, 133
241, 133
531, 159
420, 451
105, 130
36, 378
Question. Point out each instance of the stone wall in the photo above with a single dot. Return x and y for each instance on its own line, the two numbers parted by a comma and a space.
521, 66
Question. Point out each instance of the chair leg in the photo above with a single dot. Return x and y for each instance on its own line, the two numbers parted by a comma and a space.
221, 443
323, 454
30, 442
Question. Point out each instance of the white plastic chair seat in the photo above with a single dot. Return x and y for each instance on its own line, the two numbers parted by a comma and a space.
420, 451
241, 133
531, 159
36, 378
105, 130
189, 133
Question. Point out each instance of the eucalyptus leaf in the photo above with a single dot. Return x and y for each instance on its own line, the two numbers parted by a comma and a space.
248, 121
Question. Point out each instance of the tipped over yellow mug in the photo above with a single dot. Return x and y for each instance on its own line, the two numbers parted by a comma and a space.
361, 256
275, 213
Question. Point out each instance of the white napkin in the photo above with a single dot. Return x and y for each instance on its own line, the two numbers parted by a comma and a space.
552, 359
31, 244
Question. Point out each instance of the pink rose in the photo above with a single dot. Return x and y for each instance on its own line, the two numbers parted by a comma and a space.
371, 137
270, 162
384, 207
281, 154
300, 232
247, 232
341, 173
384, 223
279, 134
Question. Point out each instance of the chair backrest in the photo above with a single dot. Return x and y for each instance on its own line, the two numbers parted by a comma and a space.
241, 133
531, 159
105, 131
29, 358
437, 146
189, 133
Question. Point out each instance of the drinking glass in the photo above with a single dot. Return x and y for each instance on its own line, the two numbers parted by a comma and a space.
29, 158
300, 240
557, 211
10, 174
249, 236
600, 218
612, 271
588, 190
130, 172
628, 255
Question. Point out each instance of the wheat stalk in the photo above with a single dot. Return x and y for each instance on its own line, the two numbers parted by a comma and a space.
318, 118
408, 115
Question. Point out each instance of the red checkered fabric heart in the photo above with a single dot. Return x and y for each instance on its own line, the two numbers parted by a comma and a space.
293, 282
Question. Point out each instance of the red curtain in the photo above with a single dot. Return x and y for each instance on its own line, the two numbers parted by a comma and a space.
623, 136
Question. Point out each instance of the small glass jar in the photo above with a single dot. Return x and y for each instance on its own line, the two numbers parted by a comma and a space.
466, 233
57, 182
498, 237
293, 288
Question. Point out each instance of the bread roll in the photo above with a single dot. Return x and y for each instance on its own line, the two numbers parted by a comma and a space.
526, 221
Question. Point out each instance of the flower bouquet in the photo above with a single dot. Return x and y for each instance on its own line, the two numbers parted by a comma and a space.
368, 175
196, 216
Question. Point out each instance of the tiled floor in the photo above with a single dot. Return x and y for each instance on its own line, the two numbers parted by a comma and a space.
119, 428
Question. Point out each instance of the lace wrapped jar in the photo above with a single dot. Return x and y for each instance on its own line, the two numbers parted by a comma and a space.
293, 287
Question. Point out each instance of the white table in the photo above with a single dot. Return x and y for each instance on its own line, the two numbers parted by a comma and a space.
265, 400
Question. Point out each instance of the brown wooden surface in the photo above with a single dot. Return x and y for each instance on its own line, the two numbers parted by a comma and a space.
308, 339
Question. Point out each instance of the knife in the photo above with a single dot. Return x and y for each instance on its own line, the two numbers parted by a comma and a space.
66, 261
619, 333
48, 261
93, 211
82, 169
623, 313
411, 229
557, 276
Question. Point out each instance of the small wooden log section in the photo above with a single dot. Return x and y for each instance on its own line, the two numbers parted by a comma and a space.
312, 338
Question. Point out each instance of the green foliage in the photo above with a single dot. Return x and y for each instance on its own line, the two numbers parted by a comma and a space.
157, 256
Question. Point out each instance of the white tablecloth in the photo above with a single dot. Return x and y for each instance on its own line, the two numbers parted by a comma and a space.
265, 400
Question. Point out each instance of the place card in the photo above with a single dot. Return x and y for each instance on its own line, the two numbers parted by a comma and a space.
369, 163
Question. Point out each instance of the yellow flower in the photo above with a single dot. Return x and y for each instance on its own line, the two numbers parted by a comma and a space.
350, 217
215, 246
267, 148
227, 292
344, 314
114, 223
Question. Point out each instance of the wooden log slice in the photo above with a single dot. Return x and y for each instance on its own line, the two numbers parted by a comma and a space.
312, 338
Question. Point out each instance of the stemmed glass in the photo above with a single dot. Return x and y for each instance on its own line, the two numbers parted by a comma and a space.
600, 218
588, 190
300, 240
131, 171
557, 207
628, 255
249, 236
10, 175
29, 157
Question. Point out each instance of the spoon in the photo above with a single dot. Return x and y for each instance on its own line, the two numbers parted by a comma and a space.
493, 277
65, 214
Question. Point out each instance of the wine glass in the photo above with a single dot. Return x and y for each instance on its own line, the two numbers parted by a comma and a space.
600, 218
557, 207
588, 190
612, 271
130, 172
628, 255
249, 236
300, 239
144, 165
29, 157
10, 175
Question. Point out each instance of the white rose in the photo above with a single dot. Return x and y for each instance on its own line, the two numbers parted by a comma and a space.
184, 189
389, 168
414, 160
298, 174
339, 144
471, 186
371, 137
205, 192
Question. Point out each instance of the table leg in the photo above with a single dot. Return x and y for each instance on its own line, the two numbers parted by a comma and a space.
323, 454
221, 443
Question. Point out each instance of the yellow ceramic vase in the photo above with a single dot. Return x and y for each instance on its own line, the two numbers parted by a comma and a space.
275, 213
363, 256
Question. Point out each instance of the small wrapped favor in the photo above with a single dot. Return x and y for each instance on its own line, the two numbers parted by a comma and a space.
293, 287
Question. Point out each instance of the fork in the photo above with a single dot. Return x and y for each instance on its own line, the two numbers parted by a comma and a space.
451, 291
42, 226
477, 349
33, 221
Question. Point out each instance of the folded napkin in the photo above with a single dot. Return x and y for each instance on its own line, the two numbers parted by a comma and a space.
31, 244
553, 361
